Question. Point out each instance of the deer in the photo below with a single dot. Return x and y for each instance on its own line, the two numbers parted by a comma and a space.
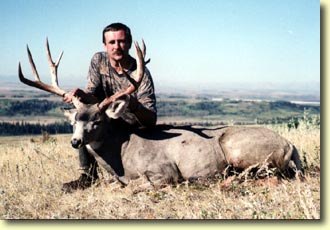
165, 153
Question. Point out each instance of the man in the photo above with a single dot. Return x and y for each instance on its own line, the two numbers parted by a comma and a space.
105, 79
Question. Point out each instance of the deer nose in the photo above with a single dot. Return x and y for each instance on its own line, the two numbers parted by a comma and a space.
76, 143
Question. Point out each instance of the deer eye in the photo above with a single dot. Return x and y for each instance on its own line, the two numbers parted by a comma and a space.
96, 124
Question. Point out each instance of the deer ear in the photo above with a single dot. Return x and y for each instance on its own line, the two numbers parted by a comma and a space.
117, 108
70, 114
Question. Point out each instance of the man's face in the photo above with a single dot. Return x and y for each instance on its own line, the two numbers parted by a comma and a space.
116, 45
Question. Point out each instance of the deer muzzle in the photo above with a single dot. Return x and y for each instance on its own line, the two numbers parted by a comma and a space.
76, 143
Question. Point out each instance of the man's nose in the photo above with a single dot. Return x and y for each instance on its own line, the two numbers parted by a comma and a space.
116, 45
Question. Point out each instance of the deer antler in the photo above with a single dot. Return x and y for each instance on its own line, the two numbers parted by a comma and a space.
140, 63
144, 52
54, 88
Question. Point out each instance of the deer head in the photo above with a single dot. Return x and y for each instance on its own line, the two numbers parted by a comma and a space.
90, 123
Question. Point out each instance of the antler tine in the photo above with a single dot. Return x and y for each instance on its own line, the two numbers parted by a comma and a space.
139, 62
33, 66
21, 76
144, 49
50, 56
144, 52
59, 59
53, 66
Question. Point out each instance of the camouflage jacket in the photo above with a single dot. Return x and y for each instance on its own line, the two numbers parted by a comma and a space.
104, 81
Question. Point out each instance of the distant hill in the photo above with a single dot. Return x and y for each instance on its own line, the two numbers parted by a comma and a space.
289, 91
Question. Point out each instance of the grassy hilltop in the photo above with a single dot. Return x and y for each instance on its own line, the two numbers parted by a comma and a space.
33, 169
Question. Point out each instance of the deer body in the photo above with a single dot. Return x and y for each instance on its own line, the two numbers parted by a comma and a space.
176, 153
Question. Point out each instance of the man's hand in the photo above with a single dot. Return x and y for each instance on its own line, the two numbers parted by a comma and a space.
78, 93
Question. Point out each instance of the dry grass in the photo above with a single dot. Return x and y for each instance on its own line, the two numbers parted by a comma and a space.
33, 169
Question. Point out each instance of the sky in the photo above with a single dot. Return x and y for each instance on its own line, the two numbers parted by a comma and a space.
190, 42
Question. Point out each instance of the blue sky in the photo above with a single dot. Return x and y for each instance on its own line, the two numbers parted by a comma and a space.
188, 41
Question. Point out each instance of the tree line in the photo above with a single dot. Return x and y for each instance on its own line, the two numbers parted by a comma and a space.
253, 112
178, 107
28, 107
24, 128
236, 108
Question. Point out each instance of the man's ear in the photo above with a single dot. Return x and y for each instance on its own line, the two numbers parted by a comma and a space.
117, 108
70, 114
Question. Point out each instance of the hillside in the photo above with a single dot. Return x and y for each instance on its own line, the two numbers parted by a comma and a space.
28, 112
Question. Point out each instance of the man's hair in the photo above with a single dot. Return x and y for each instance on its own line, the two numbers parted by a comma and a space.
116, 27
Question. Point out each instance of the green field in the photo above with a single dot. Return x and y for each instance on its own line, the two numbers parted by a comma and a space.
31, 115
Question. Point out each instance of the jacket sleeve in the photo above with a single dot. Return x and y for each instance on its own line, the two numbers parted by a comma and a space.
94, 78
